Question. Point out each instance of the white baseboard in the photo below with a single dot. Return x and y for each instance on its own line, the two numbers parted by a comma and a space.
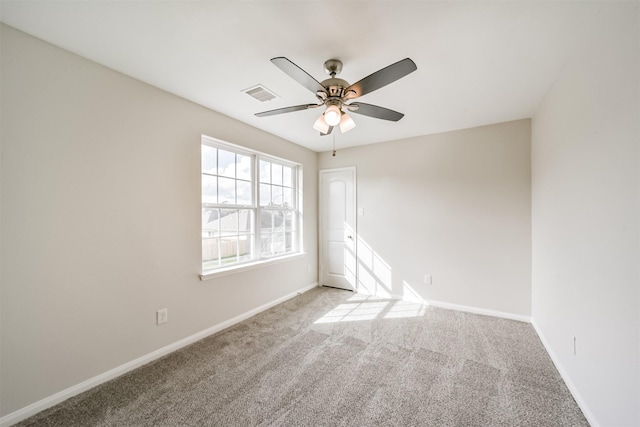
65, 394
483, 311
465, 308
567, 380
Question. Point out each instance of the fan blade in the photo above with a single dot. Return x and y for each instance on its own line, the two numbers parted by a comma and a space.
381, 78
328, 132
375, 111
287, 110
298, 74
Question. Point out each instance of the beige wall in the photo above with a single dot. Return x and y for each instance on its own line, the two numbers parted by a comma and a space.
101, 221
585, 166
455, 206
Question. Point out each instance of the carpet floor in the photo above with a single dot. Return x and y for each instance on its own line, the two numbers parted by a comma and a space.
334, 358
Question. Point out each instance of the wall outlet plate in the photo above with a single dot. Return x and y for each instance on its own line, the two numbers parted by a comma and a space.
162, 316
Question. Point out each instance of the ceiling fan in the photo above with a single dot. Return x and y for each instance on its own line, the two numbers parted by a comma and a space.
336, 94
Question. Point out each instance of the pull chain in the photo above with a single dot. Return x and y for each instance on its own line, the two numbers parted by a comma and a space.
334, 145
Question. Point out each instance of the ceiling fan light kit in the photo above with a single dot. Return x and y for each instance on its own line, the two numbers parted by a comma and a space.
321, 125
335, 94
332, 115
346, 123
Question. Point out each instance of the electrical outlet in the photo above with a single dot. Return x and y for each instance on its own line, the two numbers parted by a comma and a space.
162, 316
428, 280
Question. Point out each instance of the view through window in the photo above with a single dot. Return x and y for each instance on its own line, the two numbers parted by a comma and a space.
250, 206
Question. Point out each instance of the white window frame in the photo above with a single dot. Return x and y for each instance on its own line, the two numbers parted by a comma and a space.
259, 259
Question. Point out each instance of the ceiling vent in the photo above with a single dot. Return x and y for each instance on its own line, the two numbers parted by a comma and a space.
260, 93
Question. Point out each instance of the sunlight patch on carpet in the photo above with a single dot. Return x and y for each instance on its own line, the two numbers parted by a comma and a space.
366, 307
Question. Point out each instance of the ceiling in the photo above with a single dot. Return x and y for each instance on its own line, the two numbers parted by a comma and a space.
479, 62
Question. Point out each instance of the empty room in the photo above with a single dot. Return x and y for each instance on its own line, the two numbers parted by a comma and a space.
319, 213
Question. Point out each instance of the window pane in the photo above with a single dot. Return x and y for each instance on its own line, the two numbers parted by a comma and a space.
276, 195
210, 223
287, 202
245, 221
287, 173
227, 191
265, 172
209, 189
243, 167
229, 250
209, 159
266, 221
266, 244
272, 244
288, 221
244, 192
210, 253
276, 174
245, 247
226, 163
278, 221
228, 222
289, 242
265, 194
278, 243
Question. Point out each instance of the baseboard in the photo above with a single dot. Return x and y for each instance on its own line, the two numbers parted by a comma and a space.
465, 308
65, 394
565, 377
483, 311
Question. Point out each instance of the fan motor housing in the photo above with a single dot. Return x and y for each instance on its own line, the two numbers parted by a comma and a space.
335, 86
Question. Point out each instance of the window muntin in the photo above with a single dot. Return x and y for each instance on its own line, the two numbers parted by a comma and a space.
238, 187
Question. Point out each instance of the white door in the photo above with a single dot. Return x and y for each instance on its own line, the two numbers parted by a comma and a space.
338, 228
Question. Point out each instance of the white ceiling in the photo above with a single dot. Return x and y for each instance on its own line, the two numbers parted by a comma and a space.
478, 62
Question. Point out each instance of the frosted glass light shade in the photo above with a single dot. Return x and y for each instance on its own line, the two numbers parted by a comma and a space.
320, 125
332, 115
346, 123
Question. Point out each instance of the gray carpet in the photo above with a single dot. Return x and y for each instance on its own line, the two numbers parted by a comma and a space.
334, 358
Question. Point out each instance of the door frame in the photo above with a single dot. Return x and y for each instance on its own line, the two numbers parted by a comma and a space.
321, 174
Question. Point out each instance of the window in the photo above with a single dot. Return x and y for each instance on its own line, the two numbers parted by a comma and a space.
277, 213
250, 206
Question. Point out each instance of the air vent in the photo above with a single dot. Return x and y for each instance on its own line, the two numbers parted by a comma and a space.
260, 93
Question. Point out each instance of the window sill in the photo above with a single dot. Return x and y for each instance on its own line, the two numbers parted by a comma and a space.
250, 266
